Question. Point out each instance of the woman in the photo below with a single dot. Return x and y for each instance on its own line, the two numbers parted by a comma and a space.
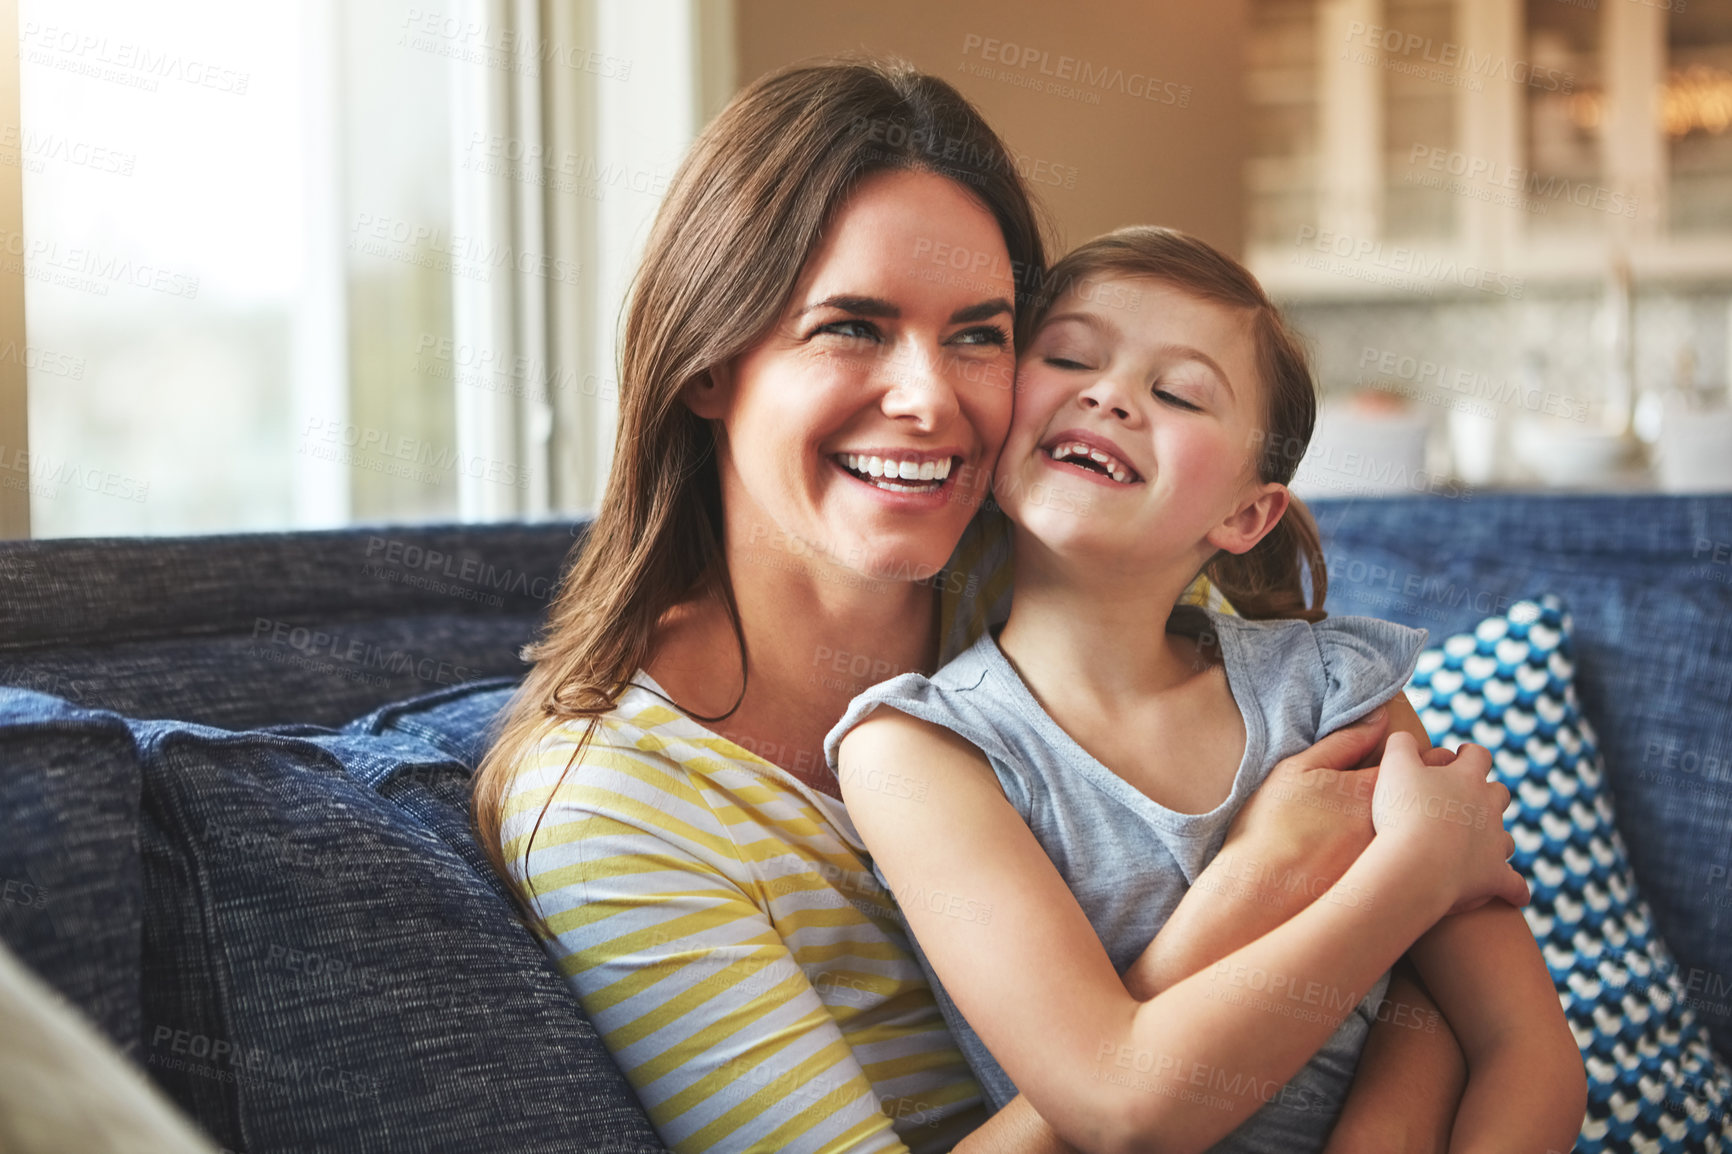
818, 362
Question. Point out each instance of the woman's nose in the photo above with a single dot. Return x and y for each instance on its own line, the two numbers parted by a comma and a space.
919, 388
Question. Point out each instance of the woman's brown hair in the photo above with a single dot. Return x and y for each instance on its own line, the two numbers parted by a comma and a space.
743, 212
1267, 581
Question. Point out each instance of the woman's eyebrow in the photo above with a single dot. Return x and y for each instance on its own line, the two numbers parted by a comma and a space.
865, 306
981, 311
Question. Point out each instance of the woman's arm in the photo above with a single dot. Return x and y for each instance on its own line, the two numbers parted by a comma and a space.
1182, 1070
1308, 823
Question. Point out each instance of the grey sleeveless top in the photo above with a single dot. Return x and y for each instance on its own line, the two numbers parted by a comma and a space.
1128, 859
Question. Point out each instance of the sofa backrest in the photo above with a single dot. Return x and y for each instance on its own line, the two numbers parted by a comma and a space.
1648, 580
247, 630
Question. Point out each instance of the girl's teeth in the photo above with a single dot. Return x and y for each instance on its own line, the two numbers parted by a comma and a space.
1078, 449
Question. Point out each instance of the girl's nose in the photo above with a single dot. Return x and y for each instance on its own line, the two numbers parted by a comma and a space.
1104, 393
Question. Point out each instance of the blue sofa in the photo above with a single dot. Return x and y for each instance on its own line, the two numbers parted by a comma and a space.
233, 774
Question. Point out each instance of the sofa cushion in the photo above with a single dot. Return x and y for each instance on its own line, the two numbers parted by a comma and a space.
322, 971
444, 736
1654, 1082
1648, 580
71, 904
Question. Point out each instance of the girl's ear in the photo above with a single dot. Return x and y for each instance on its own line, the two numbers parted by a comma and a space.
1251, 522
709, 394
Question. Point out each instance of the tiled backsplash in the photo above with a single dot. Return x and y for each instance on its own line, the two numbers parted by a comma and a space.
1366, 343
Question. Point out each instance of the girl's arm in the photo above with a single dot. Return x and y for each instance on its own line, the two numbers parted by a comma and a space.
1178, 1072
1526, 1087
1407, 1086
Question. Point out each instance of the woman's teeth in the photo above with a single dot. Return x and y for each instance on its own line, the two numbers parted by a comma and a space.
897, 476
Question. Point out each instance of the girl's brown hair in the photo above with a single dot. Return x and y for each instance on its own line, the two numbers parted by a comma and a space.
1268, 580
745, 209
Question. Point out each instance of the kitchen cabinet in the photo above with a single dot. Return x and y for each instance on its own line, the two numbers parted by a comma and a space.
1411, 149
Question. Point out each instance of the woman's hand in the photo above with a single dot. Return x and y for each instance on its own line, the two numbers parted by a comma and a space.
1440, 814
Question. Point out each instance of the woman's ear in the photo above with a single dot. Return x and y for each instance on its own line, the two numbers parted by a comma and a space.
1251, 522
708, 394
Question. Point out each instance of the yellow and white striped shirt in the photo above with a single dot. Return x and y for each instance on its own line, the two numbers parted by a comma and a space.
721, 925
718, 921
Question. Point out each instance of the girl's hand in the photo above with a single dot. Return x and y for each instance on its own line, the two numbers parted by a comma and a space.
1315, 807
1443, 816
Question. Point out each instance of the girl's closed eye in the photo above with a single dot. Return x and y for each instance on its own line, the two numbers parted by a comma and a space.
1176, 400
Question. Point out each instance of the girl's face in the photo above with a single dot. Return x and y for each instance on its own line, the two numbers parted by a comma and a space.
1138, 424
863, 428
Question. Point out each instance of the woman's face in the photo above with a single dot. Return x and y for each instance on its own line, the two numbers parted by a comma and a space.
863, 428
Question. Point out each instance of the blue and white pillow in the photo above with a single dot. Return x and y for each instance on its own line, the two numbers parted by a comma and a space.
1654, 1083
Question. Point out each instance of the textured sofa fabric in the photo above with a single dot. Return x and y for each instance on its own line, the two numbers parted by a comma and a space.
1648, 580
71, 900
310, 898
260, 629
315, 968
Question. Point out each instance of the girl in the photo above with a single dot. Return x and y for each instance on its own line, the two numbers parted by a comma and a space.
1160, 410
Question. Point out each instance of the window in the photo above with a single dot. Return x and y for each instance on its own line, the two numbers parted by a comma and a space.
336, 262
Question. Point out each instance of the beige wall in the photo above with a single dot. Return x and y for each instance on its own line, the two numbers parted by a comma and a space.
1175, 159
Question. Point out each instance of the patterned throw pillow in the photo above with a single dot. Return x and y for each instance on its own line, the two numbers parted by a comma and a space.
1654, 1084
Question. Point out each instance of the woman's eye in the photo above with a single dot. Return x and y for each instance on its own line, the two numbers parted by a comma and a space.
986, 336
855, 330
1177, 402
